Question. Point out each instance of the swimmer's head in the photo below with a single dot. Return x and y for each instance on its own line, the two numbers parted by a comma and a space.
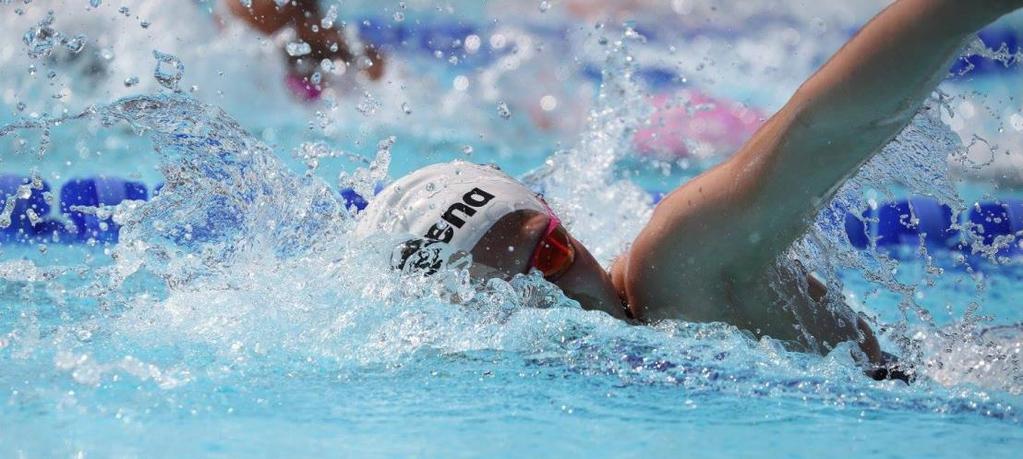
455, 209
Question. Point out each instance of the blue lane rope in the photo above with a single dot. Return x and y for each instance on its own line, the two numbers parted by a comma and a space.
903, 223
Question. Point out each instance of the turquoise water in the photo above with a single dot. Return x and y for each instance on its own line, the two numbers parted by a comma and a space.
235, 317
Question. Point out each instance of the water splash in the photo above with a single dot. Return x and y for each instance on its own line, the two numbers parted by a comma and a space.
169, 70
42, 38
583, 178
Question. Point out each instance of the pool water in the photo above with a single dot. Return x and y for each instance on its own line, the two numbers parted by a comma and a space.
232, 314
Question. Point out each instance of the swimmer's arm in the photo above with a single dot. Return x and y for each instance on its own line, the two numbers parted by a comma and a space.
749, 209
728, 225
855, 104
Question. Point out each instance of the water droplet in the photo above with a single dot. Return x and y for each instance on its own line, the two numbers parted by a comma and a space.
472, 44
548, 103
498, 41
544, 6
399, 16
124, 10
503, 110
76, 44
467, 150
406, 108
145, 24
298, 48
328, 19
315, 78
363, 62
95, 3
169, 70
131, 81
21, 106
41, 38
819, 25
327, 65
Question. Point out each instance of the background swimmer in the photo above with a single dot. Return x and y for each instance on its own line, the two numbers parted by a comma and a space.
304, 17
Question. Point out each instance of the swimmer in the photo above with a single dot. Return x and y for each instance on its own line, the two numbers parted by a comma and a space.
711, 250
269, 17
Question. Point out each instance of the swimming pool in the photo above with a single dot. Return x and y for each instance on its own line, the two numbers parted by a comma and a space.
234, 317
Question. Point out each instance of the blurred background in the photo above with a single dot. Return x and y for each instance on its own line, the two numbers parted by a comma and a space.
505, 81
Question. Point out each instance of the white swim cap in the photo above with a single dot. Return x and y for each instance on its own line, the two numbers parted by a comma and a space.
454, 203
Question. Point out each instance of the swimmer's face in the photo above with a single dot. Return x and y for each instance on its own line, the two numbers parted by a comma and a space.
507, 249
